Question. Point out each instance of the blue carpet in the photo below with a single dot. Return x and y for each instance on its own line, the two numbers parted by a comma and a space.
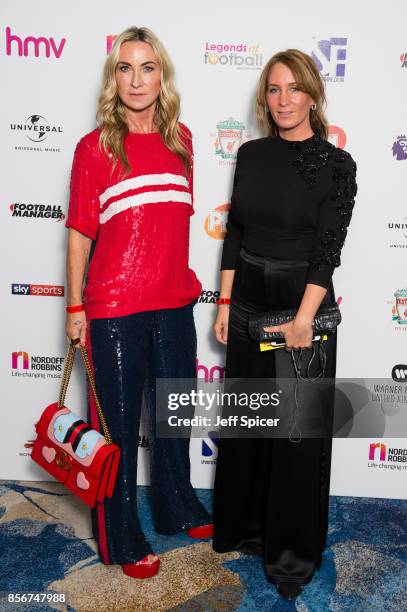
47, 547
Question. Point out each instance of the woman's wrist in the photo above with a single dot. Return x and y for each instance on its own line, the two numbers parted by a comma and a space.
302, 319
75, 308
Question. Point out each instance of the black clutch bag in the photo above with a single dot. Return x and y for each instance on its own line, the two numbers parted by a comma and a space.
326, 321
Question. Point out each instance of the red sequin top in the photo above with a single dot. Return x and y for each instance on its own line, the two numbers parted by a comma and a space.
140, 222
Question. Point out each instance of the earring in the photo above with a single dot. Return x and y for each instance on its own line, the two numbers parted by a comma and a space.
313, 107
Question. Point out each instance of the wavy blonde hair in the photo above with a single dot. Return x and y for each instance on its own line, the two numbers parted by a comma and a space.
111, 116
308, 79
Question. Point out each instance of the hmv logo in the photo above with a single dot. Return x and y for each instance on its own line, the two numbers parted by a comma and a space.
210, 374
399, 373
33, 46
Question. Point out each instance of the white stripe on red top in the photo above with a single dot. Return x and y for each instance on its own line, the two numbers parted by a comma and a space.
145, 180
147, 197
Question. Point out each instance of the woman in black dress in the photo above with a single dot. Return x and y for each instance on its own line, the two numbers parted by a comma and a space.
292, 202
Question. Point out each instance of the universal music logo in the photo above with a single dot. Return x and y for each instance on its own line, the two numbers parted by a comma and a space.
398, 234
36, 129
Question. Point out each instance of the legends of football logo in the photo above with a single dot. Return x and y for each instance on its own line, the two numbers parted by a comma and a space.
240, 55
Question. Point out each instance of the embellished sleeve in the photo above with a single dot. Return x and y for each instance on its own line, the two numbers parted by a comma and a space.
234, 231
83, 212
334, 217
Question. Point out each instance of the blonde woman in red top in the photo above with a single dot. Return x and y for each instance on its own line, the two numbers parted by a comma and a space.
132, 198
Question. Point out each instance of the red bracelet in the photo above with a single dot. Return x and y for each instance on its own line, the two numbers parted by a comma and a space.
72, 309
221, 301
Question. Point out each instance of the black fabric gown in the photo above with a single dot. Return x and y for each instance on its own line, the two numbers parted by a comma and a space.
291, 205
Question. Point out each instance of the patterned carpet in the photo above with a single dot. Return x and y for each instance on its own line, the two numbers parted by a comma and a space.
46, 547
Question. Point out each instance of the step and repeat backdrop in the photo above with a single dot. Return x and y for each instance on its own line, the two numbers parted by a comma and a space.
51, 58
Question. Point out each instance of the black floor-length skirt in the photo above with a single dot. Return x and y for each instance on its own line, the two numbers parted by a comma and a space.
271, 494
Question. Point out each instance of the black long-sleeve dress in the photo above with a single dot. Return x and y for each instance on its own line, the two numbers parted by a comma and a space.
291, 206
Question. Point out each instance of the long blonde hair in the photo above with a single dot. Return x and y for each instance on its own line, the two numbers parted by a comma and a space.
308, 79
111, 116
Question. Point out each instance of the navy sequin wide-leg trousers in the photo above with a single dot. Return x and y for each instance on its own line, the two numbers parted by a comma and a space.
129, 353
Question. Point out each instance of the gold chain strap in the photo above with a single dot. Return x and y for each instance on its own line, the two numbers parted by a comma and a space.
65, 382
66, 375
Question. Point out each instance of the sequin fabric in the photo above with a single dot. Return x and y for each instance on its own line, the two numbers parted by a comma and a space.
309, 159
128, 354
139, 223
291, 200
337, 213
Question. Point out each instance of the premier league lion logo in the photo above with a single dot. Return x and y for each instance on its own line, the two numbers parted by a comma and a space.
400, 148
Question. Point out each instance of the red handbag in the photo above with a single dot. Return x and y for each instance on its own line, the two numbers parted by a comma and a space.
79, 457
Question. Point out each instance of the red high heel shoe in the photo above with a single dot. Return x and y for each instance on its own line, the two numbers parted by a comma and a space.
203, 532
145, 568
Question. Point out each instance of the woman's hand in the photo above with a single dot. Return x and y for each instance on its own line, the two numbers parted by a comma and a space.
221, 324
76, 327
297, 333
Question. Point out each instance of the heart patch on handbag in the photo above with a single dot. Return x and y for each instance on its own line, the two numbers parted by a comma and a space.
48, 453
81, 481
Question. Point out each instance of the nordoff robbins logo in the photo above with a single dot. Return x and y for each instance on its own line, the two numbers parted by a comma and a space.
230, 135
399, 373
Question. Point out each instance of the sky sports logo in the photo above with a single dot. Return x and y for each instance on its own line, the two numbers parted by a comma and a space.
39, 290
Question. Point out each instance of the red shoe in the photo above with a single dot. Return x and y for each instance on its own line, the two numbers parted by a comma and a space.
201, 533
146, 568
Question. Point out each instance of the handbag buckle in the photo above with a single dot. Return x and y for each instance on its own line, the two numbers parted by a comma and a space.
63, 460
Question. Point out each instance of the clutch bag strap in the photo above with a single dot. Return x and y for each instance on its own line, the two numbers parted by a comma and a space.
66, 376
